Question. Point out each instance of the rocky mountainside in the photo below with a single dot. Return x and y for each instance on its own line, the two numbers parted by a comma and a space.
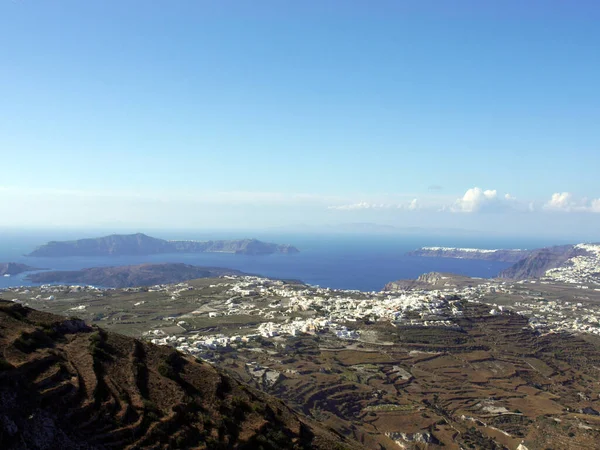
12, 268
540, 261
129, 276
66, 385
141, 244
503, 255
428, 281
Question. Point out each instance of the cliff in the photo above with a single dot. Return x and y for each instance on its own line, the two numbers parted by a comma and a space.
129, 276
66, 385
140, 244
539, 261
502, 255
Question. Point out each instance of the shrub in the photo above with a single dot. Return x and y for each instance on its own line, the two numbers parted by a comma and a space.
166, 370
29, 342
5, 365
98, 346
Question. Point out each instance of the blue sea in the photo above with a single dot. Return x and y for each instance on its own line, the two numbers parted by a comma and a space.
344, 261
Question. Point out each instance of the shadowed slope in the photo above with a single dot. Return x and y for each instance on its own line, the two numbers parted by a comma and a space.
66, 385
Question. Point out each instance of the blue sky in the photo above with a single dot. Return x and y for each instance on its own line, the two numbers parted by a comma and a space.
475, 114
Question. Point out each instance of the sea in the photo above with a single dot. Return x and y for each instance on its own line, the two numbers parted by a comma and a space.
358, 261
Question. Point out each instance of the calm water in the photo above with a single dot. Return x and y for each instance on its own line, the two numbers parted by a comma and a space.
338, 261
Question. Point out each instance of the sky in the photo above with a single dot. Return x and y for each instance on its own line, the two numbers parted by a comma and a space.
480, 115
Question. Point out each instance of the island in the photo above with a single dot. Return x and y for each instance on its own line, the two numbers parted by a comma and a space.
141, 244
129, 276
500, 255
11, 268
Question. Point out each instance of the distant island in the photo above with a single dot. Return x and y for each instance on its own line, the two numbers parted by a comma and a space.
11, 268
501, 255
129, 276
141, 244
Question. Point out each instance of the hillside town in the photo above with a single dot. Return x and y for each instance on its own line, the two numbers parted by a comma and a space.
582, 269
339, 313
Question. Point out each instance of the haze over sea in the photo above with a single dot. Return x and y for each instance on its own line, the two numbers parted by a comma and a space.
344, 261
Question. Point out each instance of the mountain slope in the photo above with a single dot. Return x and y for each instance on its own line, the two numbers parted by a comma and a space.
140, 244
69, 386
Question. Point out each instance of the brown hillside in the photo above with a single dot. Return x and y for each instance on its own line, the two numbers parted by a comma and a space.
66, 385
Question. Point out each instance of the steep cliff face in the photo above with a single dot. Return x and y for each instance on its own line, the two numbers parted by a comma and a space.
140, 244
502, 255
540, 261
65, 385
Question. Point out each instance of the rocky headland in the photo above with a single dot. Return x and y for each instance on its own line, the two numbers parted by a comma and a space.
12, 268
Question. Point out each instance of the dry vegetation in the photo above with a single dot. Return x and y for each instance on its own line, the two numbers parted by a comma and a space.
491, 382
496, 384
66, 385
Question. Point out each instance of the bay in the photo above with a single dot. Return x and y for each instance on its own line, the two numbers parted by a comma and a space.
343, 261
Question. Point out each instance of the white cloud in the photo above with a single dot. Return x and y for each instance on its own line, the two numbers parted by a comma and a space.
479, 200
475, 199
562, 201
566, 202
413, 204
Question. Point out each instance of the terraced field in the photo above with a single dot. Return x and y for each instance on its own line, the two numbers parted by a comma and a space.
483, 380
66, 385
496, 383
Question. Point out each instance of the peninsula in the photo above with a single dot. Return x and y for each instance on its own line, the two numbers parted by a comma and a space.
128, 276
11, 268
141, 244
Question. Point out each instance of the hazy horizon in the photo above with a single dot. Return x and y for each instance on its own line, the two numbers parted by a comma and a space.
289, 234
